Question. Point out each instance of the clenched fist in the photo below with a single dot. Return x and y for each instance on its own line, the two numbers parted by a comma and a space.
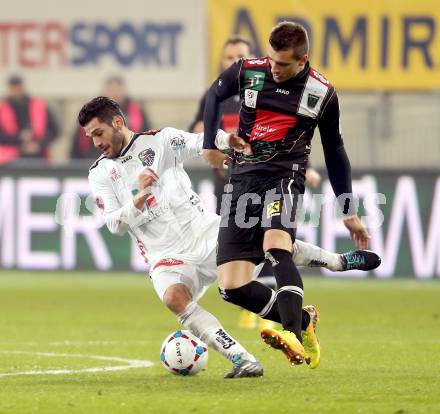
146, 179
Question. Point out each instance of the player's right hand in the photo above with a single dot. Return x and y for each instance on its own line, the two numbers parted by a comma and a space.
358, 232
313, 178
147, 178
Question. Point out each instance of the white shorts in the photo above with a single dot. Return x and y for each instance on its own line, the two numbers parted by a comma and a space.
197, 275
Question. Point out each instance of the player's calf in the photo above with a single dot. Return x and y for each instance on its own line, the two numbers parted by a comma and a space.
206, 326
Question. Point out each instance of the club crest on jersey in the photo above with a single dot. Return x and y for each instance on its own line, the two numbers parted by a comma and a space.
312, 100
147, 157
254, 80
273, 209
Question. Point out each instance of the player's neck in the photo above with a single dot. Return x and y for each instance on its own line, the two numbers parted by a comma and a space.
128, 135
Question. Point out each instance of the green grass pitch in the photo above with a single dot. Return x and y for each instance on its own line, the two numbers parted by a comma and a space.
380, 350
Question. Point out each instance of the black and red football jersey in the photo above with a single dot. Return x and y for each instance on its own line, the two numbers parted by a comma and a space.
278, 119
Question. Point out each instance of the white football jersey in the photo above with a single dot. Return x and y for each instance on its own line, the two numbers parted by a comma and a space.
173, 222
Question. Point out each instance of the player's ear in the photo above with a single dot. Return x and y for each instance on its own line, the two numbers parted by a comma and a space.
117, 122
303, 59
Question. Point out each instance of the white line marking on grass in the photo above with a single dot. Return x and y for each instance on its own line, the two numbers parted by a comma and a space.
70, 342
130, 364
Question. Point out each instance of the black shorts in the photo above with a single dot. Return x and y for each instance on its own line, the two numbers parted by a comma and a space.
257, 203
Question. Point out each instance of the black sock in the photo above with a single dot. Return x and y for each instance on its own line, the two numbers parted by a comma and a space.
259, 299
254, 296
290, 289
274, 315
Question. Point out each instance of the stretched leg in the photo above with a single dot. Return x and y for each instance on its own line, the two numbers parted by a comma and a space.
309, 255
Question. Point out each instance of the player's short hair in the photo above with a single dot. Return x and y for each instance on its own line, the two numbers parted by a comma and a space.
290, 35
236, 39
102, 108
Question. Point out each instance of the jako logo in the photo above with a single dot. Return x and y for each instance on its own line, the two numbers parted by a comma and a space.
283, 91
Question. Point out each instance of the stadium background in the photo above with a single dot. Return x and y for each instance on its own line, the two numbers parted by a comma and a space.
74, 306
382, 57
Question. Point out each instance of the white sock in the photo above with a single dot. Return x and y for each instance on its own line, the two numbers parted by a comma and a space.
306, 254
206, 326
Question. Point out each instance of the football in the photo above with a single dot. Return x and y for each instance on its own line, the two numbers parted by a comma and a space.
182, 353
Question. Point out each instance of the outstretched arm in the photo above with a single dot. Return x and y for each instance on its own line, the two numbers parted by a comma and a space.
339, 170
185, 145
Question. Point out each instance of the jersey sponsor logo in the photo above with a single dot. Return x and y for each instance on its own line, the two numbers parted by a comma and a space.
271, 126
178, 142
255, 62
168, 262
312, 100
283, 91
318, 76
273, 209
254, 79
124, 160
114, 175
250, 98
147, 157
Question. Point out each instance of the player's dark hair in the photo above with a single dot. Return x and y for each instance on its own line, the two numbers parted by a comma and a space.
289, 35
102, 108
236, 39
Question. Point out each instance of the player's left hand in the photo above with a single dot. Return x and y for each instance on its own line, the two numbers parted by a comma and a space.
358, 232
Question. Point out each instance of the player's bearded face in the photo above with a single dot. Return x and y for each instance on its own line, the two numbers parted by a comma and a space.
106, 138
283, 64
116, 143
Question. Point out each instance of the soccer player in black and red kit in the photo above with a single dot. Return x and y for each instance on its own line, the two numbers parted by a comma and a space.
235, 48
283, 100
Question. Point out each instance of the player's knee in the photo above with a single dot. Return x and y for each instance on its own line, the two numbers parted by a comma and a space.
277, 239
177, 297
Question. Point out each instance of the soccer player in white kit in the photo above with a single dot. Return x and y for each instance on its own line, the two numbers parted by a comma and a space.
141, 187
